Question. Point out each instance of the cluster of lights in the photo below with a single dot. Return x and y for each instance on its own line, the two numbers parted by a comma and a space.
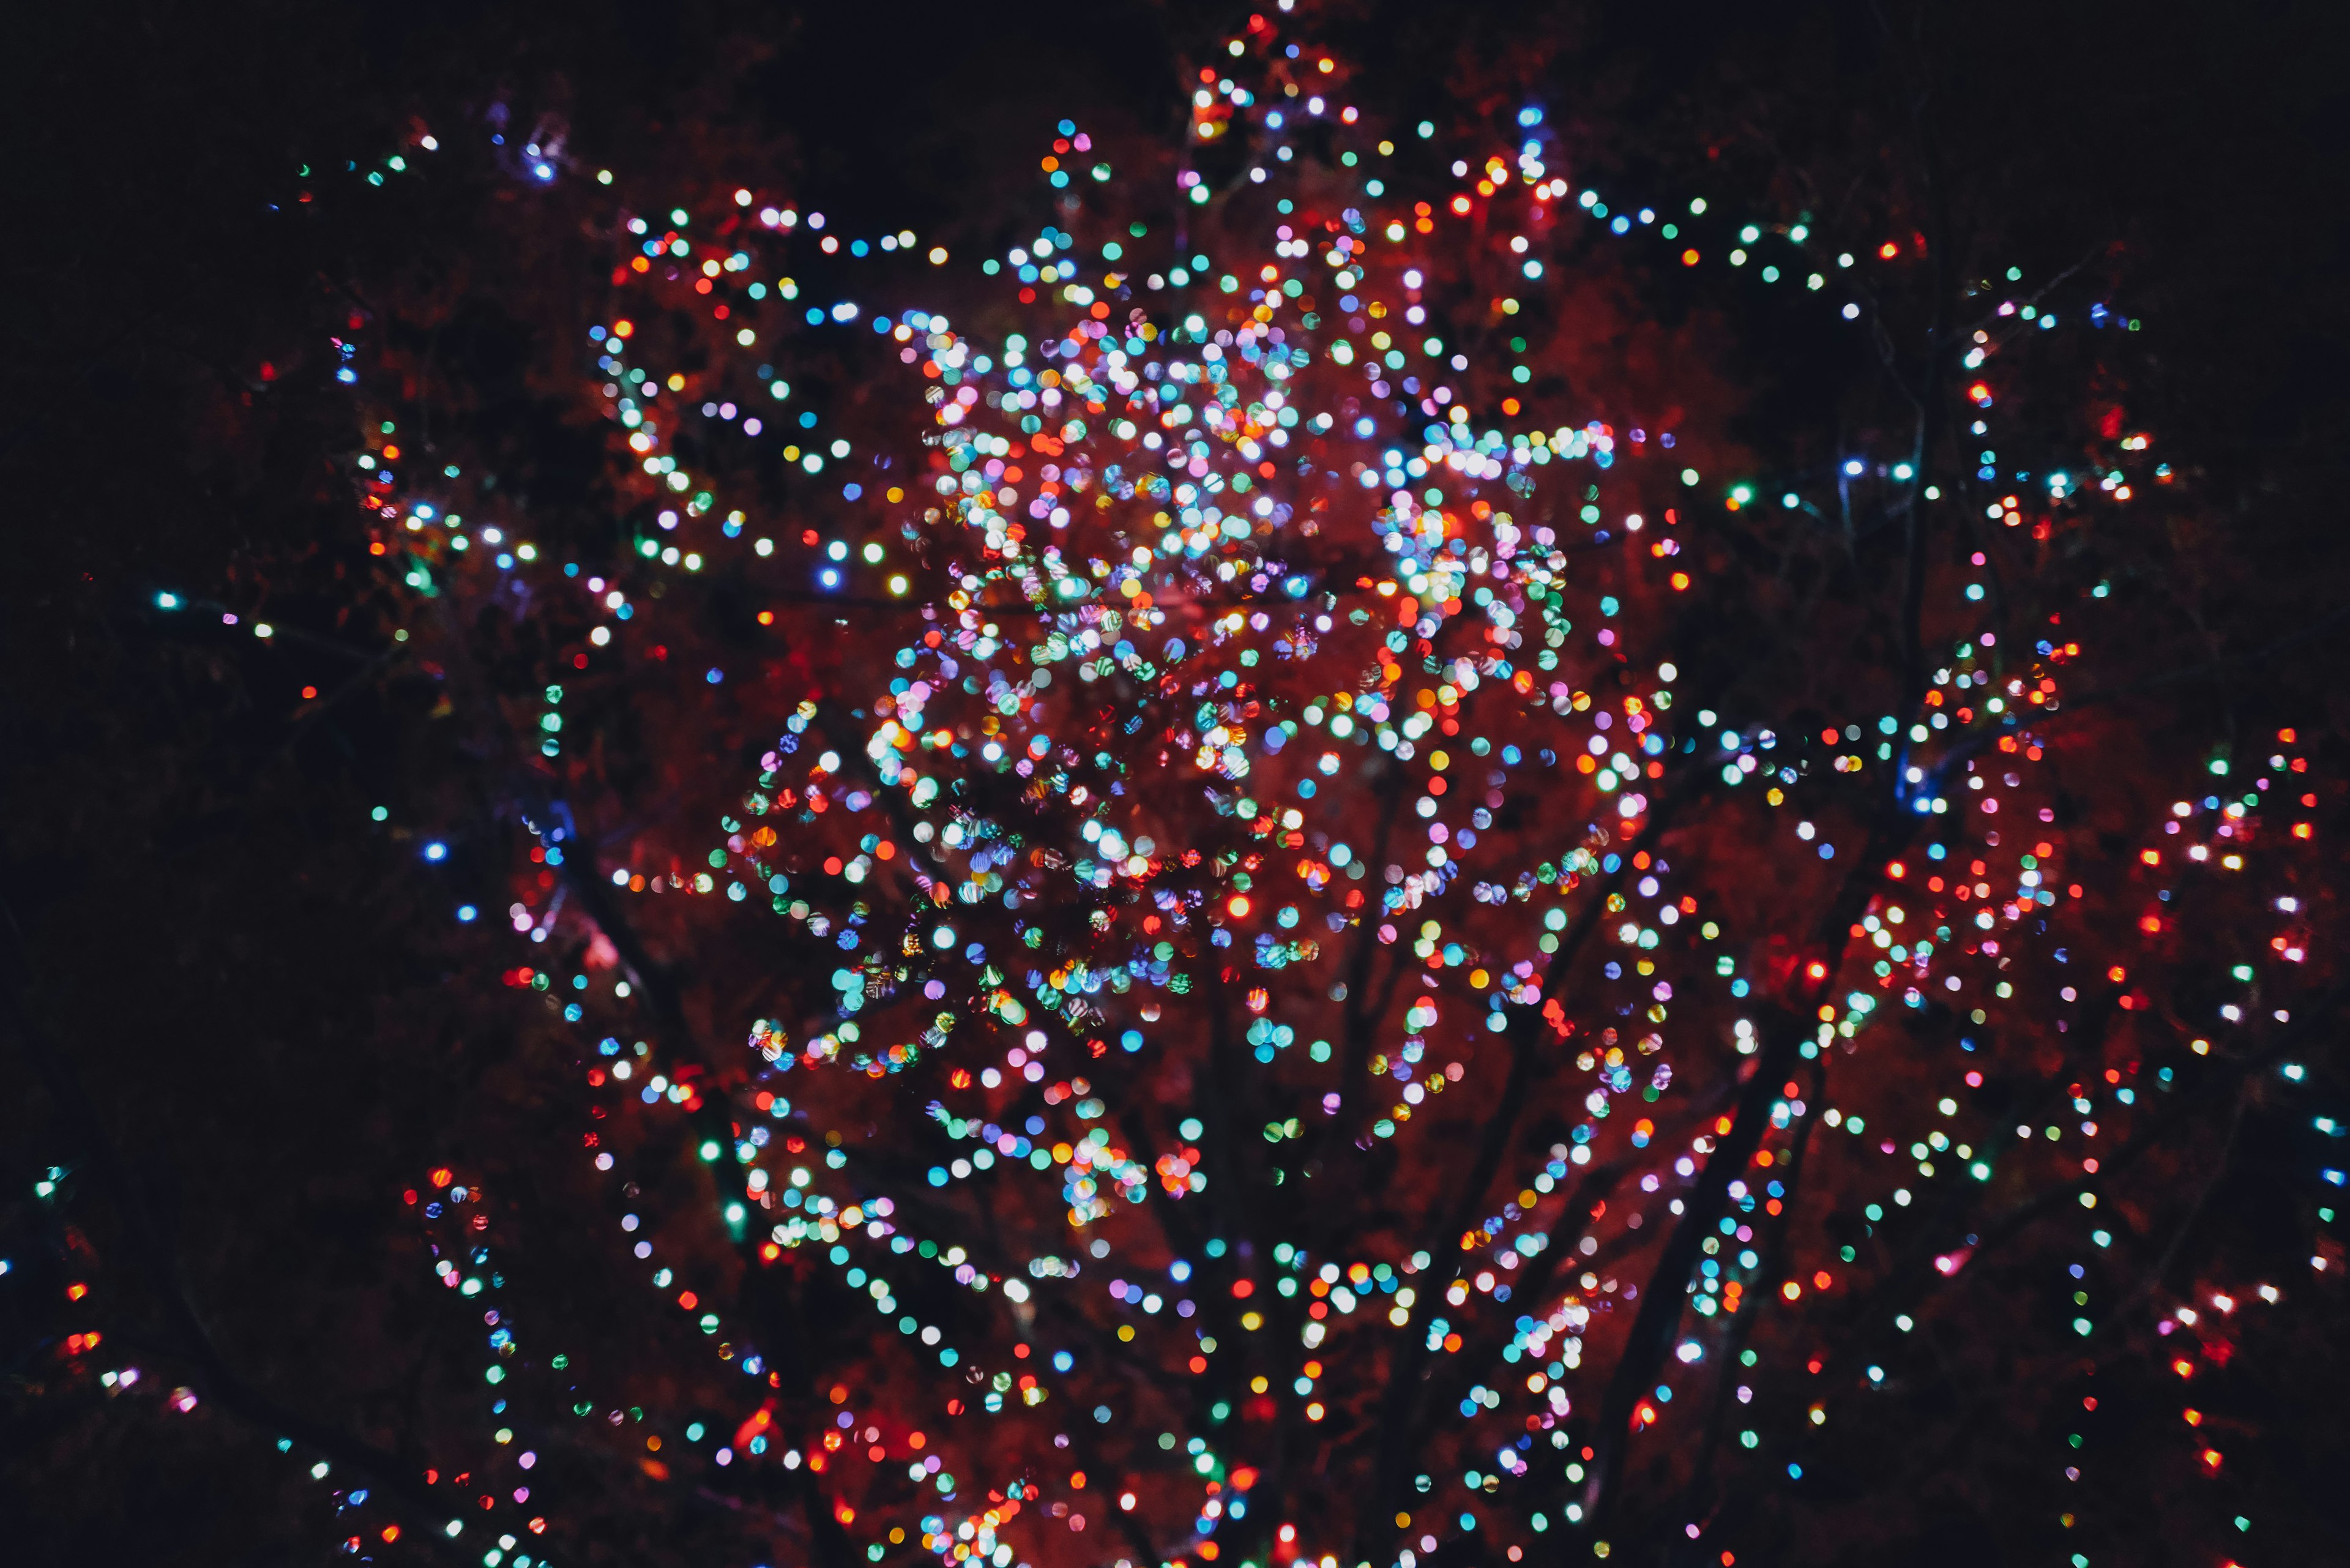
1208, 559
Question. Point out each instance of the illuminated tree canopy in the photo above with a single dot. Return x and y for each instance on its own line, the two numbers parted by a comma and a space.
1342, 838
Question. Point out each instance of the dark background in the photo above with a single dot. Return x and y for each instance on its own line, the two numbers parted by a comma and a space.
269, 1019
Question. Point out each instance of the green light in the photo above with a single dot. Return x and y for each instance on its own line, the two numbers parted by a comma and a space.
709, 1150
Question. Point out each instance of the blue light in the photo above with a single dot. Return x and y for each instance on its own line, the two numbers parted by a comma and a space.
436, 851
1530, 116
829, 578
715, 677
1852, 466
1063, 1361
467, 913
544, 171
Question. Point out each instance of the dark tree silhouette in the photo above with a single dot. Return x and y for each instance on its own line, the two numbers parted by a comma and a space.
1341, 837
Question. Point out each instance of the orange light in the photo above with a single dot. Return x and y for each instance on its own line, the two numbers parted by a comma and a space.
623, 329
1689, 259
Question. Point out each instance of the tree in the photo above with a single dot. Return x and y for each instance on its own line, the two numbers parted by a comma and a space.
1296, 722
